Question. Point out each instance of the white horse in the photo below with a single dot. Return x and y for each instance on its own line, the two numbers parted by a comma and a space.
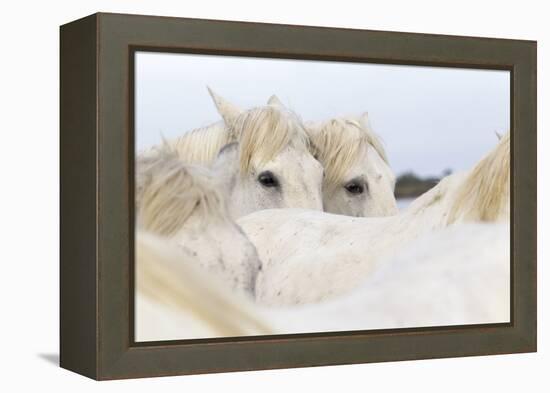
176, 299
185, 239
181, 203
260, 156
358, 179
333, 254
459, 275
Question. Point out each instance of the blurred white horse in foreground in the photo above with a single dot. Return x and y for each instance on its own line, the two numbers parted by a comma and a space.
179, 204
456, 276
310, 256
358, 179
177, 299
260, 158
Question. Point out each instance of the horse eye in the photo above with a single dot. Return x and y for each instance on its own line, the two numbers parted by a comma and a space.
354, 188
268, 179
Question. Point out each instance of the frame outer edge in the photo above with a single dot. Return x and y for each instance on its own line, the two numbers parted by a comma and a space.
115, 355
527, 230
78, 197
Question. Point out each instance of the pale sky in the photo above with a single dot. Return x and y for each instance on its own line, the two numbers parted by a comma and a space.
430, 118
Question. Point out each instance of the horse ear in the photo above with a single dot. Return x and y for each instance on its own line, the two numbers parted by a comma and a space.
364, 120
499, 135
274, 100
227, 110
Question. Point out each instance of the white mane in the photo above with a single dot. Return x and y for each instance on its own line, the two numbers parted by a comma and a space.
485, 193
201, 146
169, 191
481, 194
338, 144
261, 133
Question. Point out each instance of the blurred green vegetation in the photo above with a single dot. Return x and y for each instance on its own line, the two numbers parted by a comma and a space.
410, 185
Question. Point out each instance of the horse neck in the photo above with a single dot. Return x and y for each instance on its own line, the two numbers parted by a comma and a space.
427, 213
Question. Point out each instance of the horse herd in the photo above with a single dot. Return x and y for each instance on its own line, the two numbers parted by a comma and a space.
263, 224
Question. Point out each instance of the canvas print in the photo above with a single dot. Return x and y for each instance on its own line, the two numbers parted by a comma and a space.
284, 196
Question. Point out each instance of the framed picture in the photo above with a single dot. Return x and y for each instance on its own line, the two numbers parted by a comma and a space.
243, 196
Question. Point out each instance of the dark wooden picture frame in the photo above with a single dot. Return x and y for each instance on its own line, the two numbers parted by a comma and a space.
97, 229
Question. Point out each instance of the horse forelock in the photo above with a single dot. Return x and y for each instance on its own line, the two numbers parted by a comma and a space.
168, 192
485, 193
264, 132
339, 144
375, 141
